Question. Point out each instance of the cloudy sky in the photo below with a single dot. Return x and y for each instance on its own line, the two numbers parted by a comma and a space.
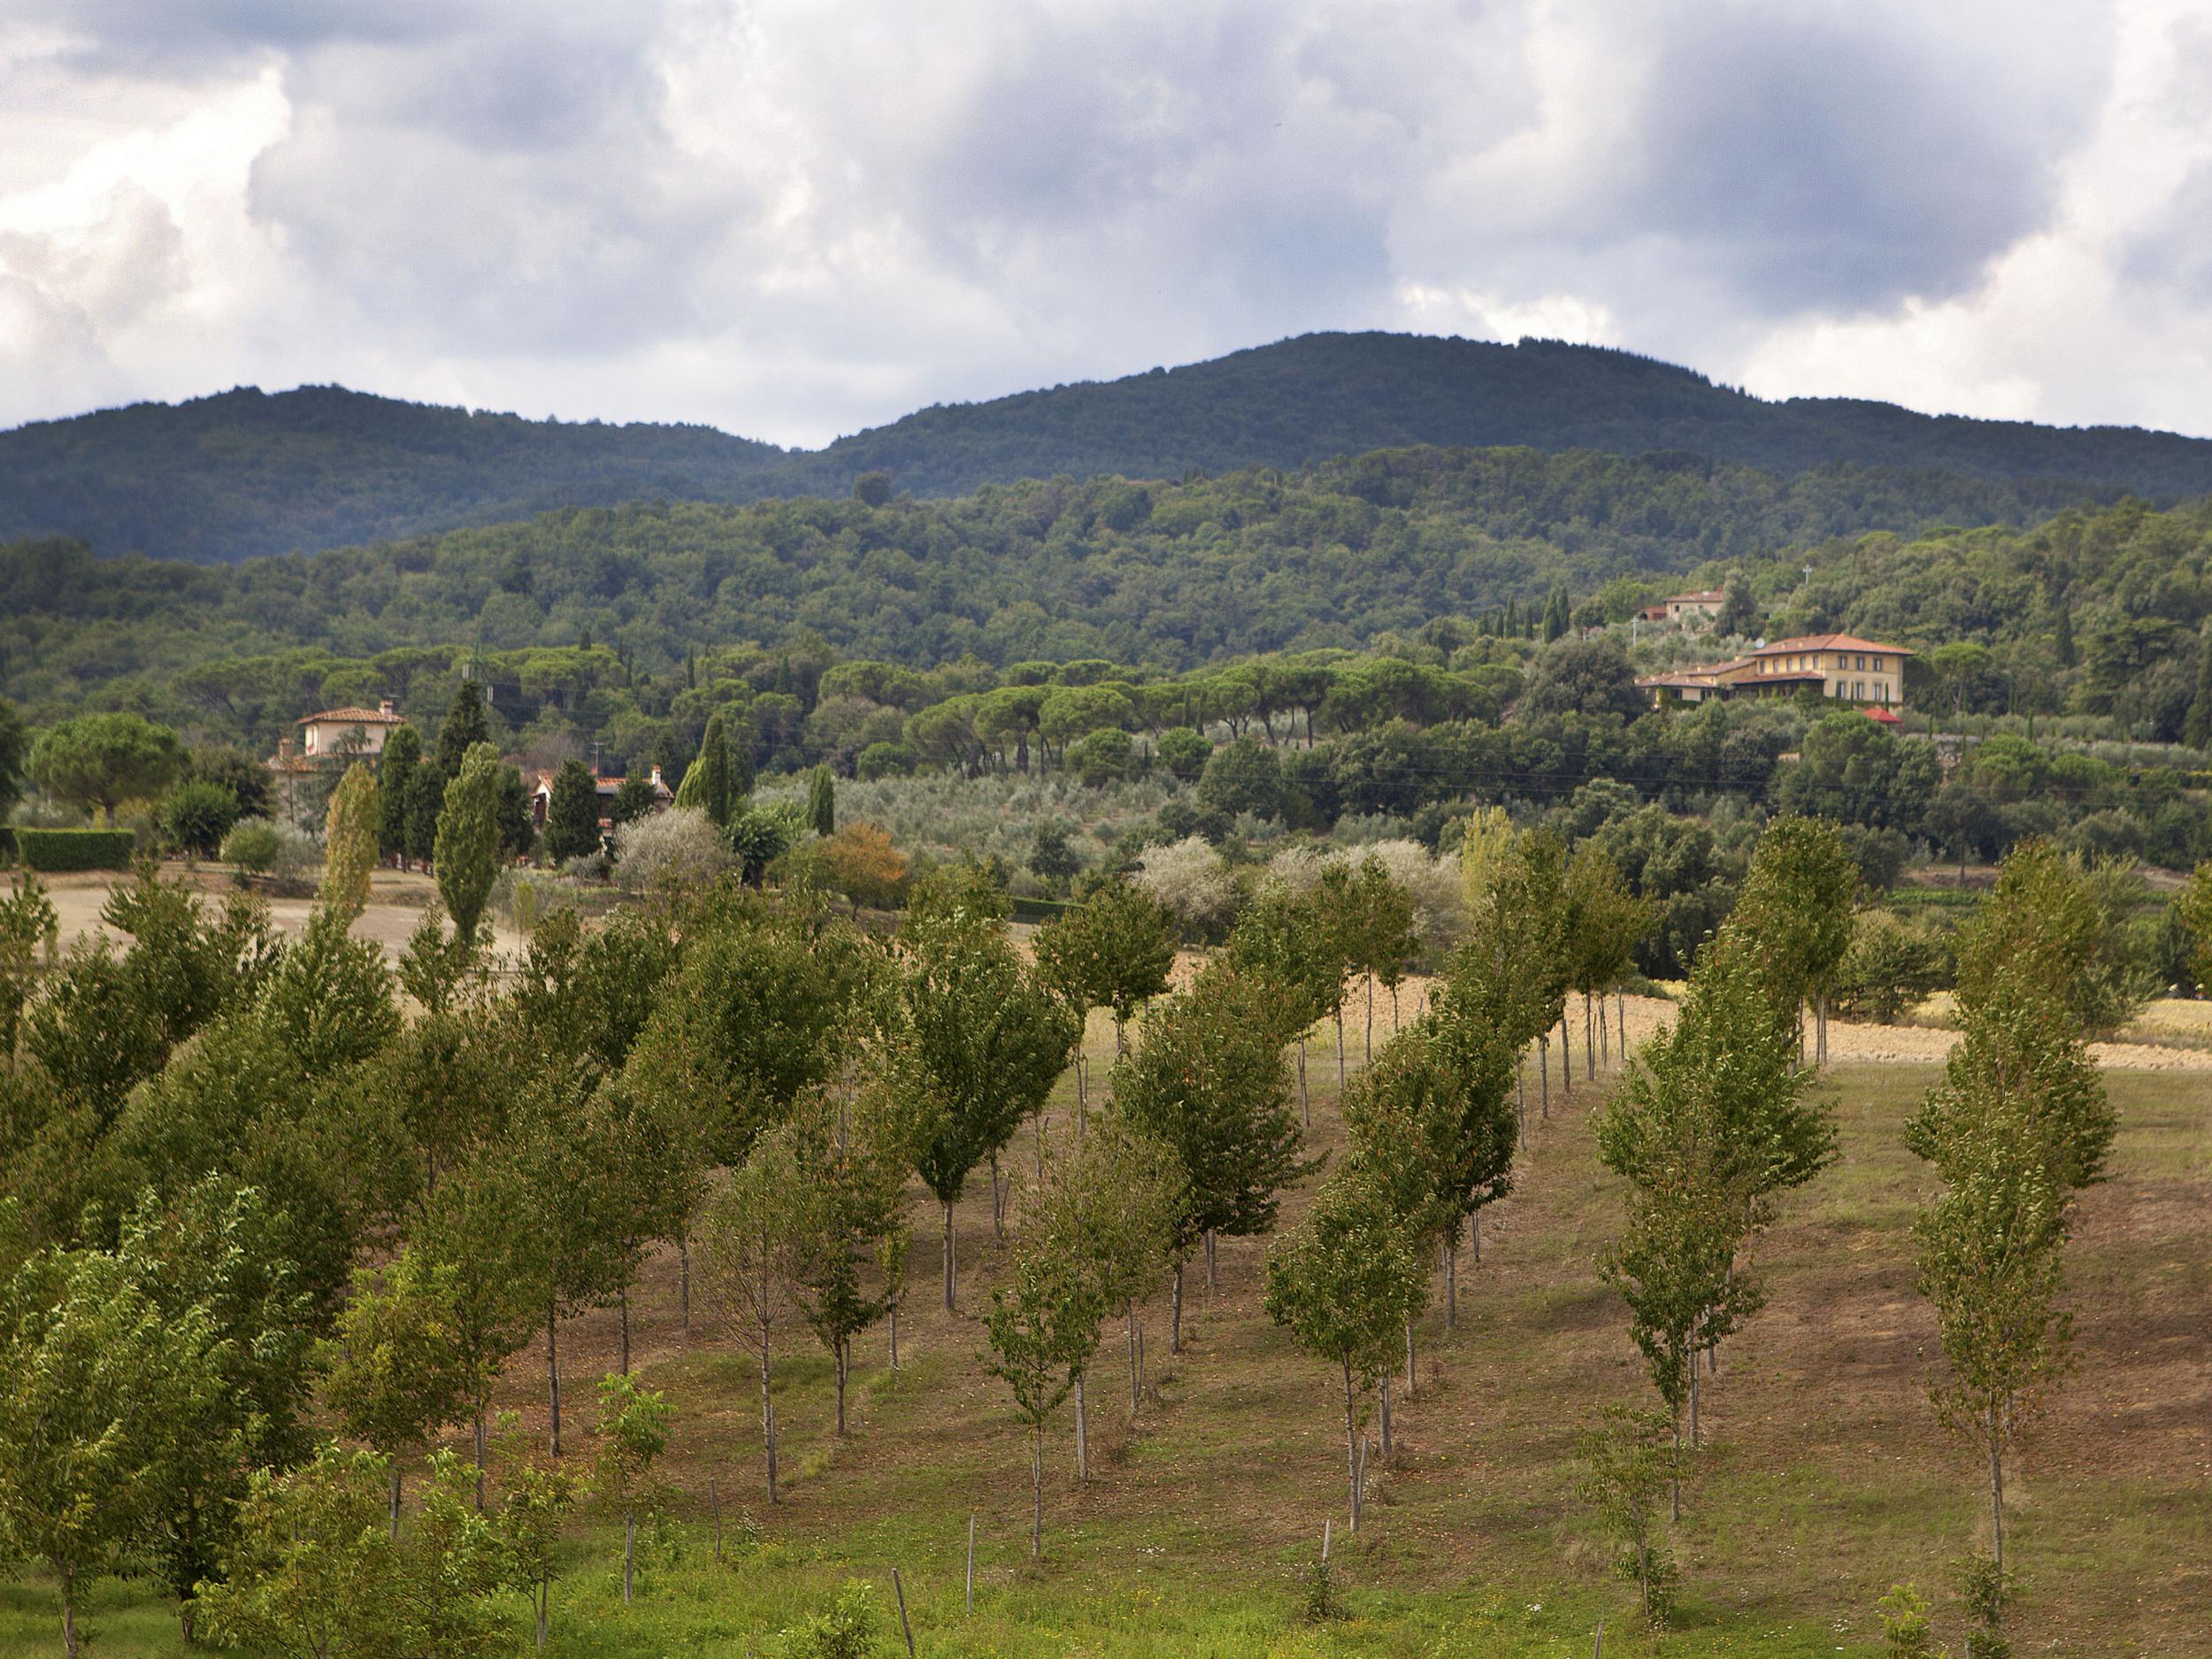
793, 218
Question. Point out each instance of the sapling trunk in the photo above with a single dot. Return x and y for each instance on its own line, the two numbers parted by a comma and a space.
1082, 1433
395, 1500
1370, 1052
952, 1270
1566, 1061
629, 1555
1135, 1387
1996, 1487
1412, 1379
623, 1298
1451, 1284
1382, 1388
768, 1418
998, 1203
1209, 1262
1340, 1044
1175, 1314
839, 1359
479, 1452
553, 1376
1351, 1441
683, 1257
1037, 1494
1305, 1105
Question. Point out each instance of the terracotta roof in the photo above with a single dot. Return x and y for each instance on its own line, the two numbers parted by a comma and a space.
1883, 715
1831, 642
354, 716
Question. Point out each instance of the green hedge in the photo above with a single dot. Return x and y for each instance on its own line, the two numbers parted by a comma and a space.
1039, 909
7, 843
76, 848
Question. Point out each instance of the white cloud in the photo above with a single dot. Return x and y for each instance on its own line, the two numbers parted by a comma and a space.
795, 218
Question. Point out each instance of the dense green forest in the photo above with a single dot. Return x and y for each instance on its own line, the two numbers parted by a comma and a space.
243, 474
1416, 554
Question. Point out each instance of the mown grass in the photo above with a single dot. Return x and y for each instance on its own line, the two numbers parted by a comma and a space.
1824, 1480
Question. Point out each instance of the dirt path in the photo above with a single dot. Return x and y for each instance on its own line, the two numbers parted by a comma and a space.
395, 909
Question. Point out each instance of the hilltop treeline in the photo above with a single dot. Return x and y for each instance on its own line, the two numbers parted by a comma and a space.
243, 474
2091, 609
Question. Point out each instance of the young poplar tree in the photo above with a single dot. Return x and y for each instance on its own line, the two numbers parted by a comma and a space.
2044, 925
315, 1572
580, 1210
751, 1020
1344, 1283
1043, 1329
1710, 1126
401, 1372
754, 1235
1380, 912
349, 844
990, 1038
1107, 1206
98, 1384
1510, 977
479, 1222
1283, 937
1625, 1469
220, 1251
1429, 1121
2019, 1125
1796, 911
1114, 950
466, 850
854, 1152
1604, 923
1206, 1079
535, 1499
632, 1434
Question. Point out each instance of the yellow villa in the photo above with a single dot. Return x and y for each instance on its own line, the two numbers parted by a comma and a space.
1839, 666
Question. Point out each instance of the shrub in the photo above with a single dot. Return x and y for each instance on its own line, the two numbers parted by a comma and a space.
1890, 965
196, 815
885, 760
847, 1629
64, 849
253, 845
681, 847
1184, 753
1191, 879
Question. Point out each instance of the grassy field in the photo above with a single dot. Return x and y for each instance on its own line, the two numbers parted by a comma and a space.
1825, 1480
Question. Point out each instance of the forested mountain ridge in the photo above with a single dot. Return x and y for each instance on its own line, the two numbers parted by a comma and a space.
2092, 611
246, 474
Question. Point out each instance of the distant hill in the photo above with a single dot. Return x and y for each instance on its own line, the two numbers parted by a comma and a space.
246, 473
220, 478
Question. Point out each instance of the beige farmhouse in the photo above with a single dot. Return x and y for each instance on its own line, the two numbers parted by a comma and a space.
1839, 666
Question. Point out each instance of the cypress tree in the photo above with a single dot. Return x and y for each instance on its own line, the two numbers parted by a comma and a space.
463, 726
395, 777
572, 816
2197, 731
714, 764
426, 799
821, 803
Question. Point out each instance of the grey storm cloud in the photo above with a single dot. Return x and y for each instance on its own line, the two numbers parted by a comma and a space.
834, 209
1824, 163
